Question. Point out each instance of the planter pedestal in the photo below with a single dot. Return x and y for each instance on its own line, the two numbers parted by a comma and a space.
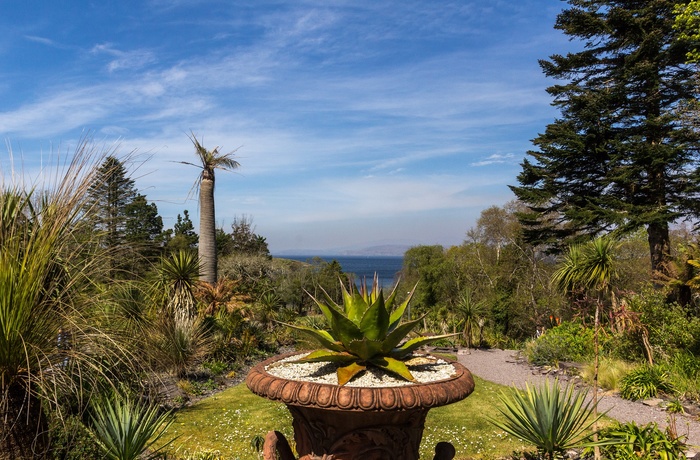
358, 423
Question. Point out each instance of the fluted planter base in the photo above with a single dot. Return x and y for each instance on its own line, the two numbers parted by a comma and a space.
359, 423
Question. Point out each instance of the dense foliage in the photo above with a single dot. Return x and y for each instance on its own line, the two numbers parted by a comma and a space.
616, 159
98, 302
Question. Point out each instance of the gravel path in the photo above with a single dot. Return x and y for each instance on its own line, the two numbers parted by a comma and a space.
504, 367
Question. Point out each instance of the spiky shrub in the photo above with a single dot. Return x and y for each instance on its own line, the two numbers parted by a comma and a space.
366, 330
178, 344
551, 419
125, 428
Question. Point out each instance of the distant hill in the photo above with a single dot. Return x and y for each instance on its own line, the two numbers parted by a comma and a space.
385, 250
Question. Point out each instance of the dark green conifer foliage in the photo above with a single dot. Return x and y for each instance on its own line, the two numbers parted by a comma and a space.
617, 159
110, 194
130, 227
182, 236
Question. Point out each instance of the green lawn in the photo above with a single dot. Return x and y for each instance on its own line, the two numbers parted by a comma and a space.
227, 422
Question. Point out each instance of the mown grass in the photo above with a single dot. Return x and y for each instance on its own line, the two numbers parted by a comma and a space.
227, 423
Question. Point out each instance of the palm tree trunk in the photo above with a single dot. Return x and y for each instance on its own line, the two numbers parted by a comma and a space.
207, 231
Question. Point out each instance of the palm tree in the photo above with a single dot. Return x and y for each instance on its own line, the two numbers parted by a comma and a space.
210, 160
589, 267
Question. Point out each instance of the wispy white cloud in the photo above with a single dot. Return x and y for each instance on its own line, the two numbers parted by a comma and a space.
45, 41
496, 158
124, 60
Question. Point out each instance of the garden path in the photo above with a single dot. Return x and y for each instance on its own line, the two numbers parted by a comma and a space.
507, 368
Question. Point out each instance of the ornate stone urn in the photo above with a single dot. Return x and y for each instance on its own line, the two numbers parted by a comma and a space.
356, 423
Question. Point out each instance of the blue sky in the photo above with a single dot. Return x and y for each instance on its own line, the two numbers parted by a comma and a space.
357, 123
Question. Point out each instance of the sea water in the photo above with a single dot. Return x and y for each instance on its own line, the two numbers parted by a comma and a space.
387, 268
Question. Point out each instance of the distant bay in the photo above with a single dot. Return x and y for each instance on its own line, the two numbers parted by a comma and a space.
387, 268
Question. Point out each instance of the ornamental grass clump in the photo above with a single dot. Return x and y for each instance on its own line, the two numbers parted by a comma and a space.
365, 331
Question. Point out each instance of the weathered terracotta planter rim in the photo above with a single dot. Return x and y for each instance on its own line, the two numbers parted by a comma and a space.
327, 396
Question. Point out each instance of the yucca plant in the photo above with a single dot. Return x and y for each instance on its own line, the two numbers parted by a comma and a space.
365, 330
125, 428
178, 276
551, 419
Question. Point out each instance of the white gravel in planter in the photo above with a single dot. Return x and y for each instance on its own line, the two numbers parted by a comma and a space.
425, 370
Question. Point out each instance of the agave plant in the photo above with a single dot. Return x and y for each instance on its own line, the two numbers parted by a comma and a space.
365, 330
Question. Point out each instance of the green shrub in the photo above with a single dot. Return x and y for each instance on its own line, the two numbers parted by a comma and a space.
566, 342
631, 442
551, 419
669, 327
215, 367
645, 382
686, 364
684, 374
71, 440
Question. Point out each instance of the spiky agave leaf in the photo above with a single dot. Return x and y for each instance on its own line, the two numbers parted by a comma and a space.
414, 344
324, 338
394, 366
365, 348
354, 303
328, 356
346, 373
375, 321
365, 330
395, 337
325, 308
343, 329
397, 313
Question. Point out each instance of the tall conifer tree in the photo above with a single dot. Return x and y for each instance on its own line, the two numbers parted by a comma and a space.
110, 194
617, 159
130, 227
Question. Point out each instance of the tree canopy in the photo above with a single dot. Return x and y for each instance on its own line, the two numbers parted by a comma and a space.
128, 225
688, 24
617, 159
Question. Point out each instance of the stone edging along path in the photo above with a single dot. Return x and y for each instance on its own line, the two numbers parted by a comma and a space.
504, 367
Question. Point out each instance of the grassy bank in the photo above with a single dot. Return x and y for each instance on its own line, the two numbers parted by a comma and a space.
227, 423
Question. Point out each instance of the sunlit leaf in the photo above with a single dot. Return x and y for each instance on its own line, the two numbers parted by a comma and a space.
414, 344
346, 373
324, 338
394, 366
375, 321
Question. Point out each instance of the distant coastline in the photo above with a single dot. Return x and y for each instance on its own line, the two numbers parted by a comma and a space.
387, 268
386, 250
